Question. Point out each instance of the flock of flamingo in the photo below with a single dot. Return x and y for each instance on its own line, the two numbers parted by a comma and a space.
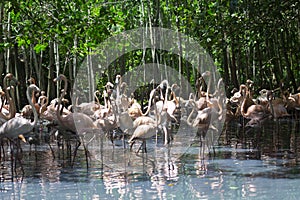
122, 116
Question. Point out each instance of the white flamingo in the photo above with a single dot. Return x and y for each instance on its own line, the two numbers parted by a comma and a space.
77, 123
17, 126
146, 127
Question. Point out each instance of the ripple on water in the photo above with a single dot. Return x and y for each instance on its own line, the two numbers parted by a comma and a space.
259, 165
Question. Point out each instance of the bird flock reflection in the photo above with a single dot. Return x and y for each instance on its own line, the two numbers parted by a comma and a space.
118, 133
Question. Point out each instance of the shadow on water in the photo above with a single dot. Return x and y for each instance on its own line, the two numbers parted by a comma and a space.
259, 162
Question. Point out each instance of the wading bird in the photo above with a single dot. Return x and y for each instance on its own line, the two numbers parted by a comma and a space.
146, 127
77, 124
19, 125
7, 87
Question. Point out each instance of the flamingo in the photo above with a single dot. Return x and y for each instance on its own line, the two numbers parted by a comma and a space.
2, 99
12, 108
262, 98
249, 84
237, 97
27, 110
202, 120
124, 99
167, 108
135, 110
68, 122
142, 132
211, 109
169, 105
125, 122
49, 112
277, 109
89, 108
293, 103
76, 123
204, 100
143, 119
103, 110
145, 128
32, 80
249, 110
142, 125
255, 112
43, 101
108, 124
17, 126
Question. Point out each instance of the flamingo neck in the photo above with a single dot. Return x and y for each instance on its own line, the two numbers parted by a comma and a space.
244, 106
12, 109
190, 115
118, 98
44, 103
33, 99
149, 103
59, 117
96, 97
35, 114
270, 103
158, 117
12, 105
208, 88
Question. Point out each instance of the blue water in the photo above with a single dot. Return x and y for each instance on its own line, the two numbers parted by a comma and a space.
260, 164
218, 179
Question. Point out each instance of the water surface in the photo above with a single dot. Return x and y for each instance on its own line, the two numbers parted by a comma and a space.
257, 163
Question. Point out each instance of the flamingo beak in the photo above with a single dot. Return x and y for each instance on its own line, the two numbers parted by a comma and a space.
292, 99
22, 138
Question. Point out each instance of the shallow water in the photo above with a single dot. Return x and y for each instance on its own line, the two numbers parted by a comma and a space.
259, 163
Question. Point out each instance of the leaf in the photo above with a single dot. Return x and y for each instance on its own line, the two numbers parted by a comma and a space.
40, 47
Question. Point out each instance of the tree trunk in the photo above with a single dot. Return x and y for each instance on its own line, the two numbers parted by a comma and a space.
8, 69
17, 71
2, 60
180, 51
50, 88
290, 74
225, 62
275, 61
36, 66
40, 71
260, 64
233, 67
56, 59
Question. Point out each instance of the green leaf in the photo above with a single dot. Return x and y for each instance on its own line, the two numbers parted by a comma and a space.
40, 47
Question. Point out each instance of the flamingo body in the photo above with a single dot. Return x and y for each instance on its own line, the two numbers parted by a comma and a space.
18, 125
143, 132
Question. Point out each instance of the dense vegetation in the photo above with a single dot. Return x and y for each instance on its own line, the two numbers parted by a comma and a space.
257, 40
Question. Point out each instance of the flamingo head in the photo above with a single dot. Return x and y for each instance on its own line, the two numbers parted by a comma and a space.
22, 138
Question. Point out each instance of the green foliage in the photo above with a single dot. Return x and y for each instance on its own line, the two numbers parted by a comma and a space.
247, 39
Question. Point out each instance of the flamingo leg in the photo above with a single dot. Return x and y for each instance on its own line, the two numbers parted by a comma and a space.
139, 148
76, 148
167, 139
87, 153
123, 138
144, 145
52, 151
132, 143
